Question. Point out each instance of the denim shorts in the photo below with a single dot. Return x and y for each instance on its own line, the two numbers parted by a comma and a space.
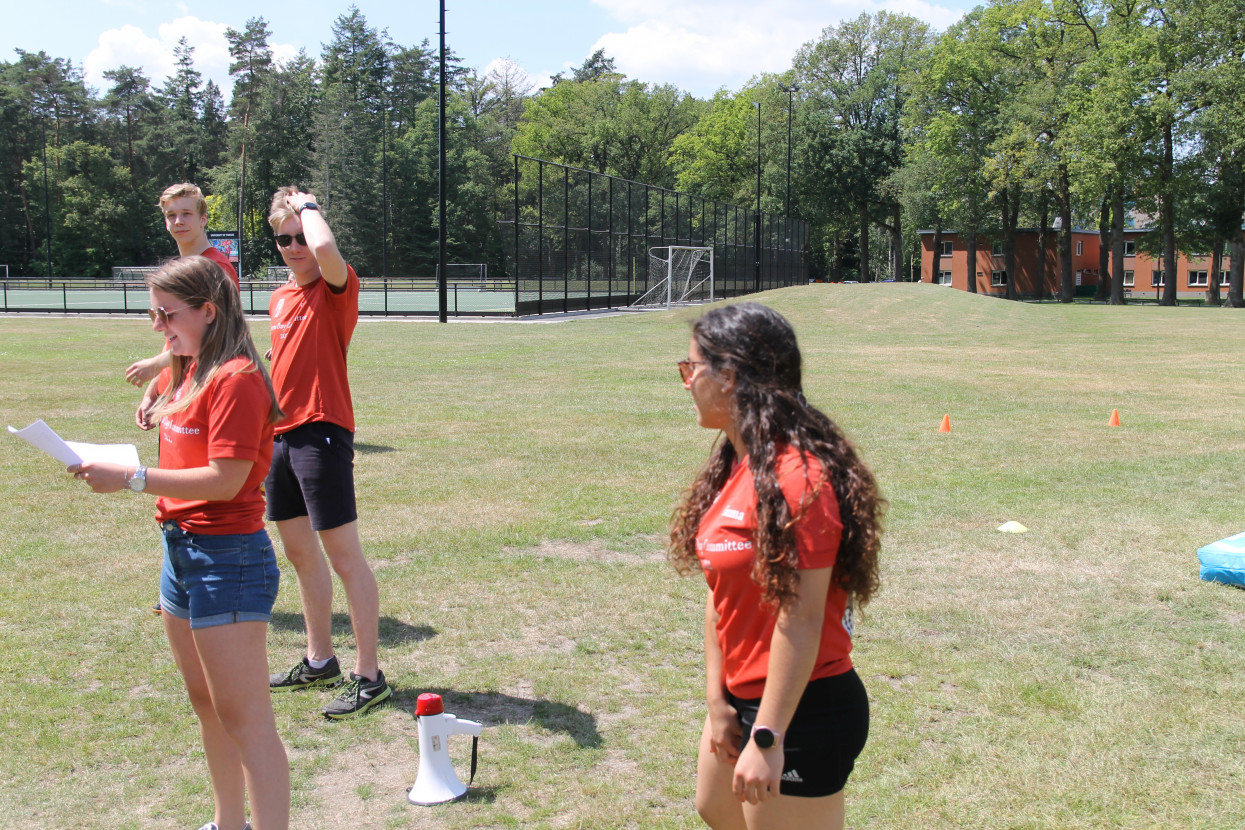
312, 474
216, 580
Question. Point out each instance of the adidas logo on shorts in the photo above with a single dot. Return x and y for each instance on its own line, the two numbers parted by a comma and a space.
793, 776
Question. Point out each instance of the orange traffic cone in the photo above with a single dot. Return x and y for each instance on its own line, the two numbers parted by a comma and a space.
946, 424
1114, 421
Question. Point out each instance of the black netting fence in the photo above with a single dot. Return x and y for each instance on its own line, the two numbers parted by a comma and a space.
580, 240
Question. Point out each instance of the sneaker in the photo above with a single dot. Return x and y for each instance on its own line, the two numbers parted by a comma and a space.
359, 695
303, 676
158, 609
211, 825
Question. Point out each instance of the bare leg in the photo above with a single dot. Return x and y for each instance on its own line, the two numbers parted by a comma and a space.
224, 763
345, 553
715, 800
315, 584
235, 665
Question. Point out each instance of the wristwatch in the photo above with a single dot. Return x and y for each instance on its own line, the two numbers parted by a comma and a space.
138, 480
764, 737
307, 206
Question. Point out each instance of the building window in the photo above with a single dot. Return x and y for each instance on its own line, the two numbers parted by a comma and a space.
947, 248
1197, 278
1223, 277
1128, 279
996, 249
1080, 247
944, 277
1157, 278
1130, 249
998, 278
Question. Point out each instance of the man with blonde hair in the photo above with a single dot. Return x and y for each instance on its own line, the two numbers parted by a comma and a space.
310, 485
185, 218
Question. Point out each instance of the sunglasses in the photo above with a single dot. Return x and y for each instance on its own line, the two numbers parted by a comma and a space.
686, 367
284, 239
164, 314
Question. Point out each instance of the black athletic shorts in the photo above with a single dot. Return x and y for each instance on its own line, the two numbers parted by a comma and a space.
827, 733
312, 474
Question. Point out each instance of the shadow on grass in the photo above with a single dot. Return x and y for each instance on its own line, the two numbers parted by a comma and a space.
369, 449
393, 632
495, 709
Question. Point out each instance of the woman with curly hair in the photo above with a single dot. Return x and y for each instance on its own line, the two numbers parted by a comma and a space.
784, 521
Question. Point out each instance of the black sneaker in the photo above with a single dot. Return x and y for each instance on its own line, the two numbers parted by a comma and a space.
359, 695
303, 676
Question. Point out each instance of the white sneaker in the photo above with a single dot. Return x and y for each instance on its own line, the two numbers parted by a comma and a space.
211, 825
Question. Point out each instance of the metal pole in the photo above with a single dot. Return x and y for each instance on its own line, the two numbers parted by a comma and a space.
442, 299
47, 210
384, 193
756, 241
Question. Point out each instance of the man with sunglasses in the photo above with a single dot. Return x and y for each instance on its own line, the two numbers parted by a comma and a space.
310, 485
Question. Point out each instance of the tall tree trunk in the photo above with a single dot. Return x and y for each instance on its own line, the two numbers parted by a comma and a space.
1011, 217
1167, 219
1043, 245
1216, 264
972, 262
1103, 291
896, 244
864, 243
1236, 274
1117, 245
1067, 283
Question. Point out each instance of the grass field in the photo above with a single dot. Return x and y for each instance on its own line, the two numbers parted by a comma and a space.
515, 481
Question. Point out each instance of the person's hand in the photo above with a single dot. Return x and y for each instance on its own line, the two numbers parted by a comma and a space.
724, 731
298, 198
142, 416
758, 773
102, 478
142, 371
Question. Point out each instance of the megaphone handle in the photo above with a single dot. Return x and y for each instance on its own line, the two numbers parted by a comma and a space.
475, 744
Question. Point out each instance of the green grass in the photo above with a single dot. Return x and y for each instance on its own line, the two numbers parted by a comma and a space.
515, 481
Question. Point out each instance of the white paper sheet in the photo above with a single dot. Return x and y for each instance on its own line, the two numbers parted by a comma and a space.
43, 437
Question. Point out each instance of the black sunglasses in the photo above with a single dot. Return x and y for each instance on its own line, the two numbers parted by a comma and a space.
284, 239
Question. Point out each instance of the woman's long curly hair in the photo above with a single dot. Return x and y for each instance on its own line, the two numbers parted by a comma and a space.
756, 347
197, 280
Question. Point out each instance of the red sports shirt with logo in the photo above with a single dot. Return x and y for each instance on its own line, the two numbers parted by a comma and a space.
228, 419
725, 547
311, 330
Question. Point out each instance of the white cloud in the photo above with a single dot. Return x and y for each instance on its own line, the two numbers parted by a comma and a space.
701, 46
131, 46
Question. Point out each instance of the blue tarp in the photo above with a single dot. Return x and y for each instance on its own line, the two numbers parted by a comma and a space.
1224, 561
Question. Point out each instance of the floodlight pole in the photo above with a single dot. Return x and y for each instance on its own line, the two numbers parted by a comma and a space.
756, 233
384, 192
442, 299
790, 90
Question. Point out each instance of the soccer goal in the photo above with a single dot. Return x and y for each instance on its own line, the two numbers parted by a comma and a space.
132, 273
680, 274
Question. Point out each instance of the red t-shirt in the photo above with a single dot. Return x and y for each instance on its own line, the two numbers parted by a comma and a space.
311, 330
214, 254
724, 545
229, 419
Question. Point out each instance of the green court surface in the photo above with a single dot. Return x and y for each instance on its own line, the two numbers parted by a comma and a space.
132, 299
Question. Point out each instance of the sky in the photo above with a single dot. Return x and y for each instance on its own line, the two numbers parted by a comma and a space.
698, 46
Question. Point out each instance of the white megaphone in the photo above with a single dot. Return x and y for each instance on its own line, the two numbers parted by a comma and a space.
436, 782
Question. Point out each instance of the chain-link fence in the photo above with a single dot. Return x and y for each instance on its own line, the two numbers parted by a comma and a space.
580, 240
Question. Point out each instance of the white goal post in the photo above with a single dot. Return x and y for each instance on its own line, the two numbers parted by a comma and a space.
679, 274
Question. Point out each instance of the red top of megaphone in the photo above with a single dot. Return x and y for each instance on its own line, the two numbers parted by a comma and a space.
428, 704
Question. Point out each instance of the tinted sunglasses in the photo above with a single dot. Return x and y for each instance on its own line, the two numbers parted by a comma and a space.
164, 314
284, 239
686, 367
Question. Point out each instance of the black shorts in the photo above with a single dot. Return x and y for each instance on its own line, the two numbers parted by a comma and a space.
827, 733
312, 474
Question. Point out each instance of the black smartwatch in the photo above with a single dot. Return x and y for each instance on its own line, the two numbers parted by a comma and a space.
307, 206
764, 737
